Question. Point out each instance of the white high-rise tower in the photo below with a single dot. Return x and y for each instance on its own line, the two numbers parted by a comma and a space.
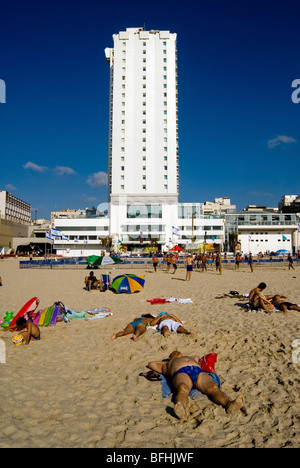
143, 137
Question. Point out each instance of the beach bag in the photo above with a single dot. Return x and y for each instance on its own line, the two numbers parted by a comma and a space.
207, 363
63, 313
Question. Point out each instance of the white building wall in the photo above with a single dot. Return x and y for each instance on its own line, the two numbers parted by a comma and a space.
143, 151
82, 228
263, 239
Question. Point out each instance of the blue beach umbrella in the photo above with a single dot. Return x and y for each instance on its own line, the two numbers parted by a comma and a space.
127, 283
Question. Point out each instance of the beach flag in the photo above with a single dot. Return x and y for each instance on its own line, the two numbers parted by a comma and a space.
298, 227
56, 232
49, 236
175, 231
85, 241
284, 238
64, 238
76, 239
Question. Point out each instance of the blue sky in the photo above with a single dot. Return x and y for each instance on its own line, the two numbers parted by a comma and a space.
239, 132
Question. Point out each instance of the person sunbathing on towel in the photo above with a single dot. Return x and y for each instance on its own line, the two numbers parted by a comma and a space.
168, 322
137, 327
284, 306
186, 374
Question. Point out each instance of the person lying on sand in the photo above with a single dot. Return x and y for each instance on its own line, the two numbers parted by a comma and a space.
168, 322
31, 332
284, 306
137, 327
186, 374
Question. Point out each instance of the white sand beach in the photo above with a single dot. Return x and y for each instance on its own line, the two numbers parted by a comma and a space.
77, 388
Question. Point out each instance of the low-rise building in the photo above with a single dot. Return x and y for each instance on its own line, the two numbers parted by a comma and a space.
15, 217
262, 231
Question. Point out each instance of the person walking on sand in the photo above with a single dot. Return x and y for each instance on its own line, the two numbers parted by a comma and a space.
185, 373
189, 267
291, 261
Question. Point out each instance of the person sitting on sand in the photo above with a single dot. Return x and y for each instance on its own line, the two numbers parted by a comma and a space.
168, 322
284, 306
31, 332
91, 280
186, 374
258, 300
137, 327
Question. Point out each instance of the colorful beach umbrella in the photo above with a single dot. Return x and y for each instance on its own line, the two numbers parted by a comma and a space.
95, 260
127, 283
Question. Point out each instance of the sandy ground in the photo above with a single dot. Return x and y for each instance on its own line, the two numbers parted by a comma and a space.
77, 388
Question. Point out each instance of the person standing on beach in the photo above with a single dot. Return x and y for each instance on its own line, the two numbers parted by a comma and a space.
174, 262
155, 262
237, 261
218, 262
204, 262
189, 267
251, 262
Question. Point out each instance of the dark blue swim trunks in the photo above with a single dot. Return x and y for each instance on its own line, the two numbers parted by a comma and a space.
191, 371
194, 371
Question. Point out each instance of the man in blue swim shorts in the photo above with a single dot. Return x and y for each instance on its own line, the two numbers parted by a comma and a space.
186, 374
189, 267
